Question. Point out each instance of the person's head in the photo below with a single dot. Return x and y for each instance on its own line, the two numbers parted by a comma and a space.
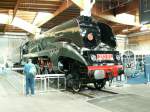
29, 60
42, 62
90, 36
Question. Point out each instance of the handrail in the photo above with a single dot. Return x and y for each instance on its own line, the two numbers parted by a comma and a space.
45, 78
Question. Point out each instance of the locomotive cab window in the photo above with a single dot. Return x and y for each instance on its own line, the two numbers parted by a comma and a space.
89, 40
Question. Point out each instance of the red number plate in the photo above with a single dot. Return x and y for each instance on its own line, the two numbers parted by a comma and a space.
104, 57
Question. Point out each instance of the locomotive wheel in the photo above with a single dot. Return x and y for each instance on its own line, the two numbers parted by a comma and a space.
76, 85
73, 83
100, 84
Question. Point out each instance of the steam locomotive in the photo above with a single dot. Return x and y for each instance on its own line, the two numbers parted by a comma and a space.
82, 48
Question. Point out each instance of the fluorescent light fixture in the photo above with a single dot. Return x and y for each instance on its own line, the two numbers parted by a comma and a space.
42, 17
120, 35
15, 34
126, 18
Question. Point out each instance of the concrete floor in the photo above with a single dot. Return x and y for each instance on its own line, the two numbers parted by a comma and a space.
11, 100
132, 98
55, 102
123, 103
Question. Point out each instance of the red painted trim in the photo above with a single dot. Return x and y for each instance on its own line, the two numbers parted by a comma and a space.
104, 67
113, 68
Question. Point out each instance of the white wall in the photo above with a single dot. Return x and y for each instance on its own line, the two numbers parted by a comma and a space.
142, 44
121, 43
9, 46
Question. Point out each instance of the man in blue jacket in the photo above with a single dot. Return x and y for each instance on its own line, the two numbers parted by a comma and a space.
29, 71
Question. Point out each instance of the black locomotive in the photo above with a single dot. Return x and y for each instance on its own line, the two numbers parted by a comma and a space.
81, 48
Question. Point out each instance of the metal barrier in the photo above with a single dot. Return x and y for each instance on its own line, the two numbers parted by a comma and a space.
15, 69
44, 82
118, 81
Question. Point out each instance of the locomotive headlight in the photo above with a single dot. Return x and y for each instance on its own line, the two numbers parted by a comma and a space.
93, 57
82, 32
99, 74
118, 57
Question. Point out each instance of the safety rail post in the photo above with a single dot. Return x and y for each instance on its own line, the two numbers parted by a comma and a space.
23, 86
58, 77
148, 79
41, 78
47, 77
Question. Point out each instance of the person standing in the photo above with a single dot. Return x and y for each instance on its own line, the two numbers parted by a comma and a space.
29, 71
50, 67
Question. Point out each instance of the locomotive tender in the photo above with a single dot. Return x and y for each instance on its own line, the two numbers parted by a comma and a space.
81, 48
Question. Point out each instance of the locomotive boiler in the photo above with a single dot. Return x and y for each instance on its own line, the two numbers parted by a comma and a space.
82, 48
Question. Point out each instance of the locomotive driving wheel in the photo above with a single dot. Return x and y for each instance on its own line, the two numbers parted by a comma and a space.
100, 84
73, 83
76, 85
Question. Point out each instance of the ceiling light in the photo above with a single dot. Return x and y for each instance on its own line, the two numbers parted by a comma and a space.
120, 35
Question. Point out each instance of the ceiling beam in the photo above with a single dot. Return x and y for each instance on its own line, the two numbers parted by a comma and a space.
65, 5
42, 4
109, 16
39, 5
51, 0
5, 27
15, 9
96, 11
20, 23
79, 3
128, 8
2, 27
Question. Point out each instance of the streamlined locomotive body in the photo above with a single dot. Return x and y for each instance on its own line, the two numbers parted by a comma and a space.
81, 48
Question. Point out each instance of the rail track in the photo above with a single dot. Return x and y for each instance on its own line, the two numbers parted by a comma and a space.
91, 92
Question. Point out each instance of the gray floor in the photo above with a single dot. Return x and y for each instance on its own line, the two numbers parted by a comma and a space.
132, 98
123, 103
11, 100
